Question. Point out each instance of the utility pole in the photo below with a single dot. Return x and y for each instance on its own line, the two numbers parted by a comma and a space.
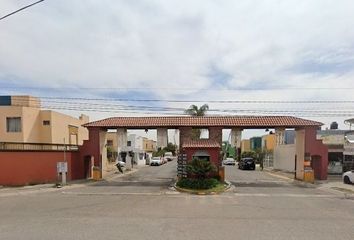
63, 173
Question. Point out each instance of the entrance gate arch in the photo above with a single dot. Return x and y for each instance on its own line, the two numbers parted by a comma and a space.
306, 142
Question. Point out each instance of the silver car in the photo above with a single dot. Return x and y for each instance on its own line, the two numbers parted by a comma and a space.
348, 177
156, 161
229, 161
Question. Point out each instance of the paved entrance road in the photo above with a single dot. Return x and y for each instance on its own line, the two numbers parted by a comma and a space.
259, 207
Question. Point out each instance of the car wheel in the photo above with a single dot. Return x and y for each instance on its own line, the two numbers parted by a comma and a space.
346, 180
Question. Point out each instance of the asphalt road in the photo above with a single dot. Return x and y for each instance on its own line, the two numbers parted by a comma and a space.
141, 206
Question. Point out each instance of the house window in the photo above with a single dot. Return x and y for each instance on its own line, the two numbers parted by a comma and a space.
109, 142
129, 143
13, 124
46, 122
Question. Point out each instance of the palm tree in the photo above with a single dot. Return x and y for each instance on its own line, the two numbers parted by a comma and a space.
193, 110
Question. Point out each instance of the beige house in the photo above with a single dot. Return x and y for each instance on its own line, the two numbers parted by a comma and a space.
245, 145
23, 121
141, 143
268, 142
149, 145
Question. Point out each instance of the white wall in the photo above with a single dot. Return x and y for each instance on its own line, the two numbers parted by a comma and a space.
284, 157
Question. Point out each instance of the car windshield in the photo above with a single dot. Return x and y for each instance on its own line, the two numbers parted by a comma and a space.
155, 158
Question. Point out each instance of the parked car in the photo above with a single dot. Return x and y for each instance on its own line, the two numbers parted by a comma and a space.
156, 161
169, 156
229, 161
247, 163
163, 160
348, 177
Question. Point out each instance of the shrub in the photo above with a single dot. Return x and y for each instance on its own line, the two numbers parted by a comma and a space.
191, 183
200, 168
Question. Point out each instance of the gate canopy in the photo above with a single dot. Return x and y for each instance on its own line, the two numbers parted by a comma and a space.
244, 122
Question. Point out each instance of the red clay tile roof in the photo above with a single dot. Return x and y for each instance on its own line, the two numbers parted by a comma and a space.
209, 121
202, 143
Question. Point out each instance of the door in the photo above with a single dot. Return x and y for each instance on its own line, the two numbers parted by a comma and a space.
87, 167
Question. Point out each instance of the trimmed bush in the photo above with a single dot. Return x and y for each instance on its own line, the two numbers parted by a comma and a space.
191, 183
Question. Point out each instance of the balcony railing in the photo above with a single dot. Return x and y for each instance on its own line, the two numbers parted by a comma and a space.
14, 146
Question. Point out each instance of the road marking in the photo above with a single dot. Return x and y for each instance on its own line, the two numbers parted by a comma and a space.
279, 176
285, 195
111, 194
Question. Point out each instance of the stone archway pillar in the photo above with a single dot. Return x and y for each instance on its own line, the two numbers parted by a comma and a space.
162, 138
236, 136
279, 136
122, 139
103, 151
300, 153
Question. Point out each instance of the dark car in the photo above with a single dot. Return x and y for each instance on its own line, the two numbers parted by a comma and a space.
247, 163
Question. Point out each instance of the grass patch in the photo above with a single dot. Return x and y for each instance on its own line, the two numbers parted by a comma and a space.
197, 183
205, 186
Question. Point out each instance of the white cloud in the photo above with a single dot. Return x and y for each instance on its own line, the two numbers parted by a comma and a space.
174, 44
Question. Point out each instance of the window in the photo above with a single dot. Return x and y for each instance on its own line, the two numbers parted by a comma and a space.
13, 124
46, 122
129, 143
109, 142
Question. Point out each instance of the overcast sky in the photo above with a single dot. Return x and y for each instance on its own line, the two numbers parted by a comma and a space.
260, 50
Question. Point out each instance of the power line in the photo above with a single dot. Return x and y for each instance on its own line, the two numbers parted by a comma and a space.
203, 101
180, 89
21, 9
157, 110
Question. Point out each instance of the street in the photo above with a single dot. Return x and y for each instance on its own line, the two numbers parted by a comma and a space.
142, 206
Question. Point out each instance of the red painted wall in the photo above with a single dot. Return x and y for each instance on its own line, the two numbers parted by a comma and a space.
91, 147
23, 168
316, 148
213, 152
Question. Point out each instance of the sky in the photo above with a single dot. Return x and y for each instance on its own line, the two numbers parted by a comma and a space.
200, 50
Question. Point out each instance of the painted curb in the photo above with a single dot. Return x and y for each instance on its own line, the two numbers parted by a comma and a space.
183, 190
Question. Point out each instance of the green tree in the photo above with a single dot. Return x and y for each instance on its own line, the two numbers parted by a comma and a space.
170, 148
196, 111
200, 168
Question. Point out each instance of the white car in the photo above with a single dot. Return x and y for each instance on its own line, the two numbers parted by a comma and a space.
156, 161
169, 156
120, 163
348, 177
229, 161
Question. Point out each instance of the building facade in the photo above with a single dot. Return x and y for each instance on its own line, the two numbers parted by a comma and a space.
23, 121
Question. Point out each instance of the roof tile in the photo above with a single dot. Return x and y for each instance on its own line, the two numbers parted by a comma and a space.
207, 121
202, 143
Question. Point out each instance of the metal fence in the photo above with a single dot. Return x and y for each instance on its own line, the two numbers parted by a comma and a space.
13, 146
268, 160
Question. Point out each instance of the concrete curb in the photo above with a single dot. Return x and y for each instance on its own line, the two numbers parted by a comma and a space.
337, 190
292, 180
194, 192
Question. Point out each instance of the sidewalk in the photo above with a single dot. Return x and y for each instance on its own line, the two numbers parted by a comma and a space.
52, 187
333, 184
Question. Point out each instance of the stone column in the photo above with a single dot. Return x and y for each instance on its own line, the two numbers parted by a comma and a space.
162, 138
236, 136
279, 136
300, 153
122, 138
103, 151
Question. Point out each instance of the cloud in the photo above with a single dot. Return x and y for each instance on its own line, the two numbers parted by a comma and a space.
260, 48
